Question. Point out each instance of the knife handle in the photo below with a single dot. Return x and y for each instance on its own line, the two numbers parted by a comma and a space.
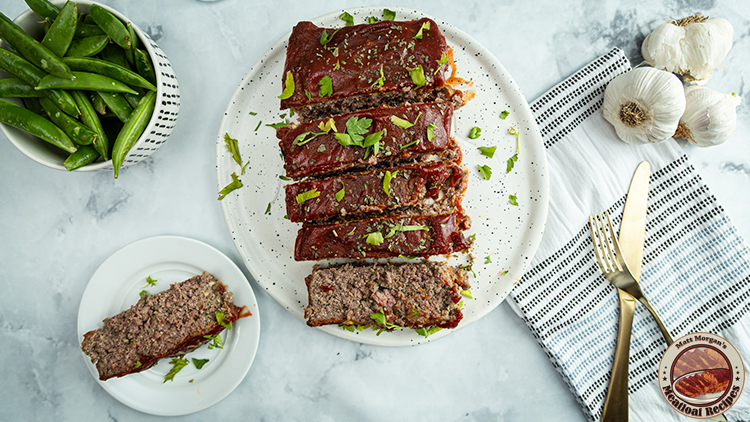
616, 403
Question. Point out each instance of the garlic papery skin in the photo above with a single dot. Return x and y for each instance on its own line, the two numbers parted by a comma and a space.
710, 117
695, 45
644, 105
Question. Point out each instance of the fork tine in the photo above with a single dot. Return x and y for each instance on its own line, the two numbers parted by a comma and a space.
618, 252
595, 241
611, 239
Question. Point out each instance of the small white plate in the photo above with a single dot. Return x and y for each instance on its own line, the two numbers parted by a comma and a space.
116, 286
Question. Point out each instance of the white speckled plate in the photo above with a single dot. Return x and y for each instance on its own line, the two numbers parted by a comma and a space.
507, 236
117, 284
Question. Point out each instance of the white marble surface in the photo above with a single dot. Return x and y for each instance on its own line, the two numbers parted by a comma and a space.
57, 228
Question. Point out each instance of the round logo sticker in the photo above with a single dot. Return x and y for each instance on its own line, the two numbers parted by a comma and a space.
701, 375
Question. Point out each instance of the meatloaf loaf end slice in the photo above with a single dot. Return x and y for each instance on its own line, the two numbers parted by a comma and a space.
415, 295
159, 326
398, 61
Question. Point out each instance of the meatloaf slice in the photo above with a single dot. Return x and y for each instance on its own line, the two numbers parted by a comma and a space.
308, 151
384, 237
407, 60
433, 186
415, 295
159, 326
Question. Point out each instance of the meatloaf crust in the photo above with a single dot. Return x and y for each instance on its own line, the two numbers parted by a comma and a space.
159, 326
415, 295
433, 186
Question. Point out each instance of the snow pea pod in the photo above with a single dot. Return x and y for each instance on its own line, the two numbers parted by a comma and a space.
15, 88
32, 104
85, 155
111, 25
43, 9
132, 130
114, 54
130, 52
84, 81
84, 30
89, 46
32, 50
79, 133
102, 67
60, 34
134, 99
22, 69
30, 122
118, 104
144, 66
91, 120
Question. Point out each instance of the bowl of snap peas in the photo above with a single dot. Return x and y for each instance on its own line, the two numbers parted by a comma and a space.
83, 88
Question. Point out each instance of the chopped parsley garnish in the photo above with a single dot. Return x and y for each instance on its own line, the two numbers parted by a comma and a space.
268, 209
259, 123
138, 364
223, 322
340, 194
431, 132
379, 318
467, 293
486, 172
512, 160
235, 151
443, 60
381, 80
425, 25
357, 127
400, 228
307, 195
389, 15
387, 183
142, 293
252, 113
504, 272
372, 19
346, 17
288, 86
284, 178
487, 259
236, 184
321, 148
216, 341
199, 362
277, 125
328, 126
326, 87
306, 137
325, 39
426, 332
150, 282
513, 200
404, 124
417, 76
488, 151
410, 144
475, 133
374, 238
407, 257
504, 114
177, 365
337, 66
373, 139
308, 95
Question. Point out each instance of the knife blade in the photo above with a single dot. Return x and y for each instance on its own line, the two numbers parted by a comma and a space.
631, 237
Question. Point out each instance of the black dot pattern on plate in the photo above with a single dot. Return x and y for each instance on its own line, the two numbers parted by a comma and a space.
165, 113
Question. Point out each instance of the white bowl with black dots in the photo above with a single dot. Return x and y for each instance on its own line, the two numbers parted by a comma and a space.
159, 127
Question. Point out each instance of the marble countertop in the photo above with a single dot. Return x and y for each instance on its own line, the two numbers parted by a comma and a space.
58, 228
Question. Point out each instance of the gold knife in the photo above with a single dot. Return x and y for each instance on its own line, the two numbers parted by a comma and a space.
631, 237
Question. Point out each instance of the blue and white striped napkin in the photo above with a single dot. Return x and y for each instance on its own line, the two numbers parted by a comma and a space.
696, 267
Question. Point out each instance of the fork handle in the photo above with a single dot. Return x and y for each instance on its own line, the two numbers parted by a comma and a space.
659, 323
616, 403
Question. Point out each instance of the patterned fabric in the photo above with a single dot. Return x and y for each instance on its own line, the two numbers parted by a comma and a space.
696, 267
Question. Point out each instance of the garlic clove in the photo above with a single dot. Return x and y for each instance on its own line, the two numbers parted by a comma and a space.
710, 117
662, 48
644, 105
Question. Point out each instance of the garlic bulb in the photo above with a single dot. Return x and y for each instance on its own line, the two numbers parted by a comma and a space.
695, 45
644, 105
709, 118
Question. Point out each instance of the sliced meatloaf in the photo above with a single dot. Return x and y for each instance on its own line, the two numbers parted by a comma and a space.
415, 295
163, 325
384, 237
310, 151
364, 66
435, 186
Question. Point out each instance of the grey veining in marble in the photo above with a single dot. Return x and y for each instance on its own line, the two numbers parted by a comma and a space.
57, 228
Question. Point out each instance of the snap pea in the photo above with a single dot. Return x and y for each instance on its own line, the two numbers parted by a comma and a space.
114, 54
134, 99
130, 52
89, 20
89, 46
84, 81
132, 130
117, 104
43, 9
91, 120
30, 122
77, 132
84, 30
144, 66
60, 34
85, 155
16, 88
22, 69
33, 104
111, 25
99, 105
32, 50
102, 67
